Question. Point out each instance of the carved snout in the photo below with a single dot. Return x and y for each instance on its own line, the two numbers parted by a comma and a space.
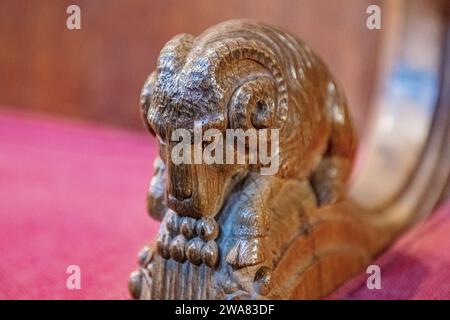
179, 181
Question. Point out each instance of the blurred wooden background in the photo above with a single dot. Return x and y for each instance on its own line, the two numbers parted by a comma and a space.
97, 72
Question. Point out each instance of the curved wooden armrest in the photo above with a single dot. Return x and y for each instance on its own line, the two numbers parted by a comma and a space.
293, 227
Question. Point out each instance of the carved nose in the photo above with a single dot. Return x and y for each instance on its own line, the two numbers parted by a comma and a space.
180, 181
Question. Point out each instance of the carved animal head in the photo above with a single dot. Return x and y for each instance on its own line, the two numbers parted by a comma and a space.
227, 78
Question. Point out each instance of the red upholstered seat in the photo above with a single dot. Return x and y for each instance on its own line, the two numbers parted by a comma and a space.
73, 193
70, 193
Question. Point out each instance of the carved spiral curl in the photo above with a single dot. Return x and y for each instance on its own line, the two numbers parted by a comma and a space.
266, 97
253, 105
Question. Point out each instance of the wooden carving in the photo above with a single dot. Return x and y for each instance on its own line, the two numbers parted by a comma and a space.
227, 231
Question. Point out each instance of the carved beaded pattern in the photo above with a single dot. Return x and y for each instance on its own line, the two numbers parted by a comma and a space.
190, 240
187, 227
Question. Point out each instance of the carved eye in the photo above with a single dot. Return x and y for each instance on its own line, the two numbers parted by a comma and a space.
261, 117
146, 101
144, 112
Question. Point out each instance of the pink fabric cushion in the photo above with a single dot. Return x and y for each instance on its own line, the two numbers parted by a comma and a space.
71, 194
74, 194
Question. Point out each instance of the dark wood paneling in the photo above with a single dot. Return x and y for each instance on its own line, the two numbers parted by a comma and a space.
97, 72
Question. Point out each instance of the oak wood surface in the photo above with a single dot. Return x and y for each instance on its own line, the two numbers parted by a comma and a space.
292, 235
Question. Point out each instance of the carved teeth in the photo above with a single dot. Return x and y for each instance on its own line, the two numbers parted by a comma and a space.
210, 254
162, 245
179, 243
144, 256
193, 251
177, 248
187, 227
173, 224
135, 284
207, 228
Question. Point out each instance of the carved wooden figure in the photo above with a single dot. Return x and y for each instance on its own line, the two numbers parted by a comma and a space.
227, 231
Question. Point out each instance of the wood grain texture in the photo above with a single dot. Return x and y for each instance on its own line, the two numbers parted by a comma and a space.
296, 234
227, 231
